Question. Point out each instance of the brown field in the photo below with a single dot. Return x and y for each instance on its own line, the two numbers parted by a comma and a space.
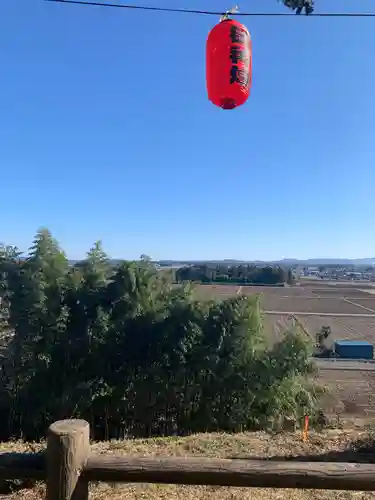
296, 299
276, 291
342, 327
222, 291
351, 392
331, 305
368, 302
318, 283
275, 326
340, 292
211, 292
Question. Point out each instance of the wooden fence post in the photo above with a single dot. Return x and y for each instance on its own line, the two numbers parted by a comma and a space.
68, 448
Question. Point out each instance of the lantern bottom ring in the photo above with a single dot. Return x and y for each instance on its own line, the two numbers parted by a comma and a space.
227, 103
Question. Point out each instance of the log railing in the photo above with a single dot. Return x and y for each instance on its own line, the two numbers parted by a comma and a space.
67, 466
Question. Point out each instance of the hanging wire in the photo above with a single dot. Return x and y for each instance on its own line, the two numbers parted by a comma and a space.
213, 13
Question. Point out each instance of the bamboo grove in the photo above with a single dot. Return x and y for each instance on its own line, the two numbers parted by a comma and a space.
124, 348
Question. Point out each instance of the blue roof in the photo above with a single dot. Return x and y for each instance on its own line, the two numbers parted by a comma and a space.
353, 342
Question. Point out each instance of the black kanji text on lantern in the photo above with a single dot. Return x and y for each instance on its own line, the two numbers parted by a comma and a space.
238, 54
237, 35
239, 75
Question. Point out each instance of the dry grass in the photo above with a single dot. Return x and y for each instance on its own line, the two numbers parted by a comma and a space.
350, 392
211, 445
318, 283
275, 326
214, 292
277, 291
368, 302
294, 299
341, 292
326, 305
356, 328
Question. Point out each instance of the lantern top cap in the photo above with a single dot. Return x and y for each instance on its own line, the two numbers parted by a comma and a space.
231, 11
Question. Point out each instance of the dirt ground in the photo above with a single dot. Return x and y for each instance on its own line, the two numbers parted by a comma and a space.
351, 393
331, 445
331, 305
367, 302
357, 328
350, 293
319, 291
278, 291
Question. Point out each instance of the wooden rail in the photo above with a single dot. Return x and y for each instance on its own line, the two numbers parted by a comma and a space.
67, 467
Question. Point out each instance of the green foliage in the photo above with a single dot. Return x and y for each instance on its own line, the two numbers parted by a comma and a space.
134, 355
233, 273
299, 6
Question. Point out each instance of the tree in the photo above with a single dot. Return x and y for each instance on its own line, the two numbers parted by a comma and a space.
145, 258
9, 264
300, 5
224, 273
290, 278
36, 318
120, 346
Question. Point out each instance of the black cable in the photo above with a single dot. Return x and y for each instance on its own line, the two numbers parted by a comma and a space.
212, 13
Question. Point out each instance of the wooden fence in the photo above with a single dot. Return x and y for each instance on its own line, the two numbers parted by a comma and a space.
67, 466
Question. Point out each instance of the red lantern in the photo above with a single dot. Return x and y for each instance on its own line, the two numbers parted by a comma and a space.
228, 64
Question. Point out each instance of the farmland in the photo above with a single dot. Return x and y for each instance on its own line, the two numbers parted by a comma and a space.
355, 328
368, 303
331, 305
350, 312
320, 300
351, 392
348, 293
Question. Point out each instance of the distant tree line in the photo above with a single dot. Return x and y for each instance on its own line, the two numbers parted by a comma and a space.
123, 348
233, 273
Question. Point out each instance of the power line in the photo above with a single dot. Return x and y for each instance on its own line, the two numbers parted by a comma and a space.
212, 13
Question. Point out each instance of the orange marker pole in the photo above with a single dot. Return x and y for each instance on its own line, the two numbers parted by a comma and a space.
305, 429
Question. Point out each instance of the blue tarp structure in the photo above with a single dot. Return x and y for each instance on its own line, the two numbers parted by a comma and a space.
354, 349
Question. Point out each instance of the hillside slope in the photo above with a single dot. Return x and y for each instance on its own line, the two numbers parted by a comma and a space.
330, 445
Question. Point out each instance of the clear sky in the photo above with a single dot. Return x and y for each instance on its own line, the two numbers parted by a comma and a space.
106, 133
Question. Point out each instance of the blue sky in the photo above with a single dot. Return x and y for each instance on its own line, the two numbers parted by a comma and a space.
106, 133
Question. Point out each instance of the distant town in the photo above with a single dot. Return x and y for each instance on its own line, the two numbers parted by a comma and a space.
339, 273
